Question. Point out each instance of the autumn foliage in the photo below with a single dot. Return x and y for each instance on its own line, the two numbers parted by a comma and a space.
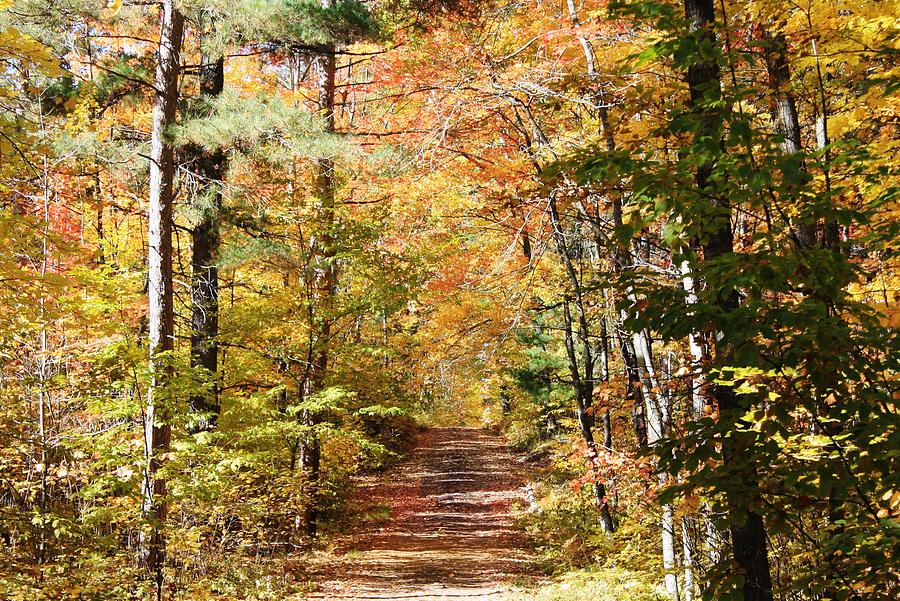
653, 242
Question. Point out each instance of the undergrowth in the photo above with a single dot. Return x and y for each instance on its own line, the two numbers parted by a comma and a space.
596, 584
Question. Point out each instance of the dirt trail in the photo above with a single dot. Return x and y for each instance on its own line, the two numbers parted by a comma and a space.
451, 533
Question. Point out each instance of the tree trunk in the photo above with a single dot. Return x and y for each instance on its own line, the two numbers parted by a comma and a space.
788, 123
688, 560
748, 532
831, 235
582, 383
622, 261
157, 431
658, 426
324, 276
696, 346
604, 377
784, 112
204, 272
784, 106
650, 425
591, 63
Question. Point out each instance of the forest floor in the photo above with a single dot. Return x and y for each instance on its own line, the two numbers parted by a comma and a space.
446, 528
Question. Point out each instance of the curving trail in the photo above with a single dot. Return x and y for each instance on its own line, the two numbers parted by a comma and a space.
451, 533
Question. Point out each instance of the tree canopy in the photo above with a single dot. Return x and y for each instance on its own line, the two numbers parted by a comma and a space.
249, 248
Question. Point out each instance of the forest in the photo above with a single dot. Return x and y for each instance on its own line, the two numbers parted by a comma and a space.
531, 300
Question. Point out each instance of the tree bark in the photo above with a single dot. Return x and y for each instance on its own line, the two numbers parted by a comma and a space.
658, 426
788, 124
157, 430
784, 106
324, 277
633, 391
604, 377
591, 65
784, 113
655, 419
748, 532
582, 383
204, 272
688, 561
621, 261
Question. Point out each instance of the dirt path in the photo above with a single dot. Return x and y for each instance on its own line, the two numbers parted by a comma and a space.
450, 534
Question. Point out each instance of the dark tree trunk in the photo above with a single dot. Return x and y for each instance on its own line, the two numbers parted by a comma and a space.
95, 194
157, 431
204, 272
622, 261
324, 277
748, 532
582, 382
505, 401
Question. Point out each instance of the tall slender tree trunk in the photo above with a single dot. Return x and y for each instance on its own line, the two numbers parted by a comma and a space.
633, 391
696, 346
94, 190
651, 413
658, 426
784, 112
621, 261
43, 367
688, 559
591, 65
582, 382
324, 276
788, 124
604, 377
204, 272
832, 234
700, 403
157, 430
748, 532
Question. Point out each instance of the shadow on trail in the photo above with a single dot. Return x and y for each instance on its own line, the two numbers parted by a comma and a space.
451, 534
